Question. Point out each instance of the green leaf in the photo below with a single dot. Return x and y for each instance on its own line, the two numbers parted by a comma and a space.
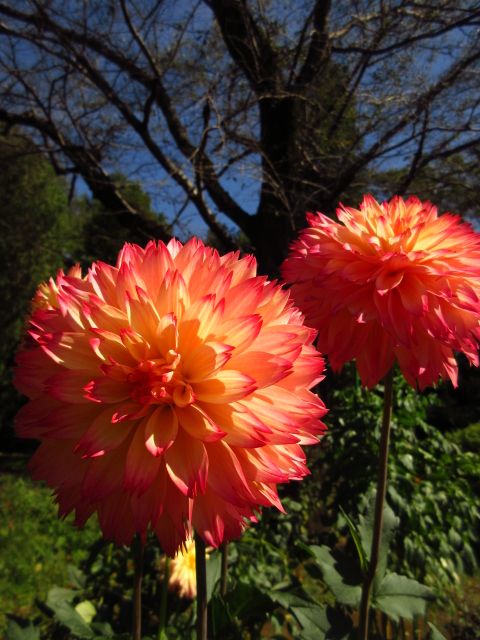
365, 528
402, 597
214, 569
86, 610
58, 596
16, 632
247, 600
322, 623
356, 539
102, 630
287, 599
338, 576
59, 601
222, 620
435, 633
76, 577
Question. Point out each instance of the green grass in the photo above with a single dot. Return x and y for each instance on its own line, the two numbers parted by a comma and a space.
35, 546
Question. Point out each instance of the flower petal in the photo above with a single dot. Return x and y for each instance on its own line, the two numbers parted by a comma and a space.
160, 430
187, 464
226, 386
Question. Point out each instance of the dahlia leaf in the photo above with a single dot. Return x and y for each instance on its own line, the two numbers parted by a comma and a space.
16, 632
322, 623
59, 601
357, 541
401, 597
365, 528
435, 633
338, 575
214, 569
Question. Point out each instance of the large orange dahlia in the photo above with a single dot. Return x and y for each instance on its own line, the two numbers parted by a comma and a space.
169, 392
391, 281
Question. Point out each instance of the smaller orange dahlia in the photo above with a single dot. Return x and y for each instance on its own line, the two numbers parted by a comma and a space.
170, 392
391, 281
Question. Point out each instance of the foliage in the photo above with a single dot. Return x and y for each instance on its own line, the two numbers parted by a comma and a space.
393, 594
465, 624
36, 546
37, 235
427, 473
468, 439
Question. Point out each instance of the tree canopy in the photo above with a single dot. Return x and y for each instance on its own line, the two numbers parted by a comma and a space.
37, 234
252, 110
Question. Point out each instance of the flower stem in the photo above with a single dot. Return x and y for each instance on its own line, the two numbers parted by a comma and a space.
224, 574
201, 571
138, 549
364, 613
163, 601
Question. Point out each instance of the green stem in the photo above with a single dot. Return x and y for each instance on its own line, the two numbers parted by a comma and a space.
138, 550
201, 571
364, 613
163, 601
224, 574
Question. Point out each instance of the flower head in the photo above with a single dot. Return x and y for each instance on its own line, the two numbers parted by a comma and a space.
169, 392
183, 577
391, 281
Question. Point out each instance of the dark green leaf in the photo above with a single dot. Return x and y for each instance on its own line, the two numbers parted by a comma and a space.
222, 620
59, 601
365, 528
356, 539
338, 575
58, 596
76, 577
322, 623
402, 597
214, 569
435, 633
17, 632
288, 599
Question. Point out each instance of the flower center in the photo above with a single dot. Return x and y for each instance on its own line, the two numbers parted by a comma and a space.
157, 381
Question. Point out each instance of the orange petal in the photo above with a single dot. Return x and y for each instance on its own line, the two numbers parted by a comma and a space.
226, 476
106, 389
203, 361
226, 386
387, 280
104, 475
187, 464
242, 427
173, 295
241, 332
71, 350
67, 386
199, 323
103, 435
160, 430
141, 468
143, 317
266, 369
198, 424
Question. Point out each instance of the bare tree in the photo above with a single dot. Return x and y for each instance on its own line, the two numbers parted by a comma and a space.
248, 109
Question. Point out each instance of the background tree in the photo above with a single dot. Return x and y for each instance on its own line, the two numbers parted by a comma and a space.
37, 235
105, 232
252, 109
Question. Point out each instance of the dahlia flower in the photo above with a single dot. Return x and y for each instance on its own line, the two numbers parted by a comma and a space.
390, 282
182, 575
170, 392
